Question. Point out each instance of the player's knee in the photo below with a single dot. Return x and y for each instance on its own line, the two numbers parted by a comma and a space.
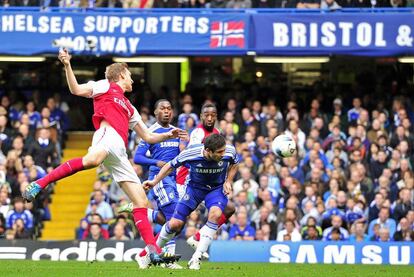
230, 209
176, 225
214, 214
90, 162
140, 203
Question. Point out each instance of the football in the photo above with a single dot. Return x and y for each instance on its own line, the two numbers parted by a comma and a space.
284, 146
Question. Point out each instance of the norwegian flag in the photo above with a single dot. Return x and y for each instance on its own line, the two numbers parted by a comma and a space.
225, 34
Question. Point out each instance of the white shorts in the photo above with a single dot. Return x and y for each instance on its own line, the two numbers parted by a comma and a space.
116, 162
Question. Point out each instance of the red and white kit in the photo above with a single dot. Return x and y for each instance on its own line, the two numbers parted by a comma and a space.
111, 105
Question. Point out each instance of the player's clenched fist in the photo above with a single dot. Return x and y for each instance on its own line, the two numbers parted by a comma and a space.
227, 188
149, 184
64, 56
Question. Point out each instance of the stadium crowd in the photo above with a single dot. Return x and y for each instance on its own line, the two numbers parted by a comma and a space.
31, 136
352, 179
235, 4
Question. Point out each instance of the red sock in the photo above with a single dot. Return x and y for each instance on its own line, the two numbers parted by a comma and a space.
144, 227
222, 220
64, 170
144, 252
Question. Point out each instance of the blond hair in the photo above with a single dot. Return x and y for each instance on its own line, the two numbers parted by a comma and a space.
115, 70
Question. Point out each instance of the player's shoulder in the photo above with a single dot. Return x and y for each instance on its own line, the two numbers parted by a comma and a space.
100, 86
192, 151
154, 127
230, 149
198, 131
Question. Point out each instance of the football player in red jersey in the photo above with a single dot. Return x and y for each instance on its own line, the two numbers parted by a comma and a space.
113, 116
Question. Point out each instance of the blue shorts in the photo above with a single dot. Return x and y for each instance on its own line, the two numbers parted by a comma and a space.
165, 193
194, 196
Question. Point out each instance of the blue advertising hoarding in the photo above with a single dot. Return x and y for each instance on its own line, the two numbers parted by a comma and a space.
128, 34
396, 253
334, 33
207, 32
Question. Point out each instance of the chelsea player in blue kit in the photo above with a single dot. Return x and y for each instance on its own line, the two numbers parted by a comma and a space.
164, 192
212, 170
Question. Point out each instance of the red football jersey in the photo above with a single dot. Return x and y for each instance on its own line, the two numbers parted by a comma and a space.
112, 105
197, 136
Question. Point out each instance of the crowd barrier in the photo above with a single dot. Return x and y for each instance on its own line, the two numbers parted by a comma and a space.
208, 32
220, 251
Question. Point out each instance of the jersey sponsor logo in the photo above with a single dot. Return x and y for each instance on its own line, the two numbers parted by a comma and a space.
123, 105
209, 170
169, 144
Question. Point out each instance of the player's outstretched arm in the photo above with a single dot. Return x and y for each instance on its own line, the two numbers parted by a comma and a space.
165, 171
84, 90
152, 138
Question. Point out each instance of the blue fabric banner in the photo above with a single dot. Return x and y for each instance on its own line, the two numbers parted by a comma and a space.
385, 34
397, 253
203, 32
123, 33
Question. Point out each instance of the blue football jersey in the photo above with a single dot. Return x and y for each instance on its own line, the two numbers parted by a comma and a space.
205, 173
163, 151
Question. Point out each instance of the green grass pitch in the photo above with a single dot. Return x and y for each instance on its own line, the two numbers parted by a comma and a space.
19, 268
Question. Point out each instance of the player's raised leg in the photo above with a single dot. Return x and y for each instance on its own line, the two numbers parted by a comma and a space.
90, 160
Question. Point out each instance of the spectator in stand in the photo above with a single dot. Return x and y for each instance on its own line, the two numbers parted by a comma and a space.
34, 116
4, 203
405, 231
187, 113
241, 230
263, 217
239, 4
95, 219
404, 204
119, 233
263, 4
336, 226
311, 233
20, 231
246, 176
384, 235
57, 115
83, 227
19, 212
290, 231
308, 4
384, 222
358, 233
102, 207
95, 232
43, 150
28, 138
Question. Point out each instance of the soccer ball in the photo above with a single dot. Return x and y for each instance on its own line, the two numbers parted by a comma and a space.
284, 146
